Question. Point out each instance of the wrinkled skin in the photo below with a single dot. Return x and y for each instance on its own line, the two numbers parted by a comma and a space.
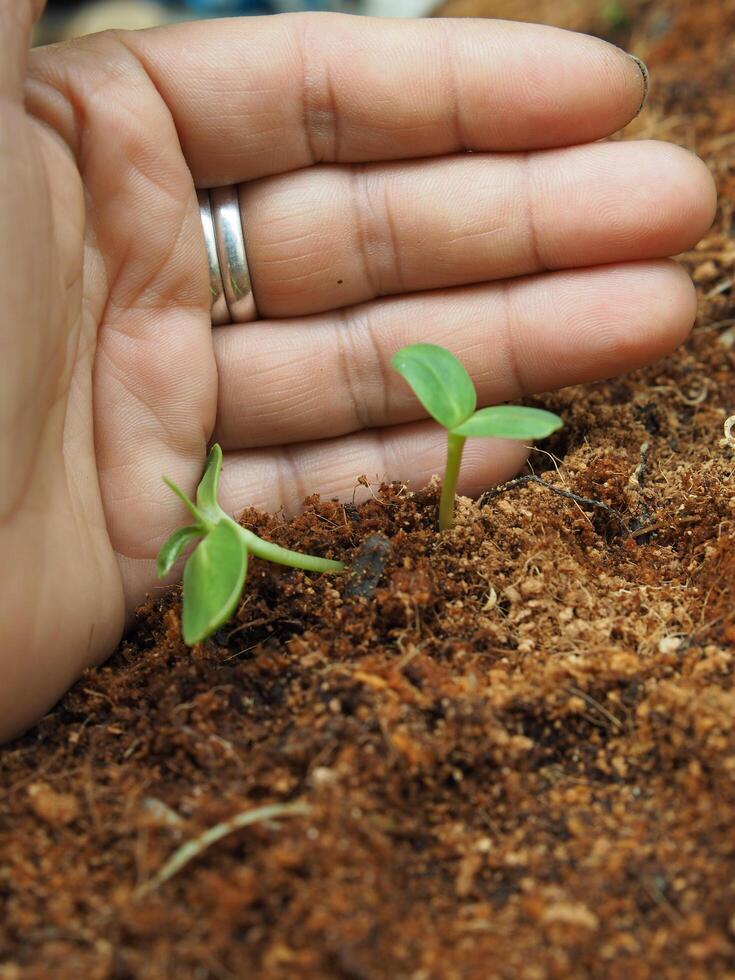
540, 259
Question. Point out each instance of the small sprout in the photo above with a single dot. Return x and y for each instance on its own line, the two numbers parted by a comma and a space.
445, 389
215, 572
193, 848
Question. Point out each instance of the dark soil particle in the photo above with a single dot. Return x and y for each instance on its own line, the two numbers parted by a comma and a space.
516, 739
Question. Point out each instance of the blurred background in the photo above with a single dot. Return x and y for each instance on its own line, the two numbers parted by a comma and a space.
71, 18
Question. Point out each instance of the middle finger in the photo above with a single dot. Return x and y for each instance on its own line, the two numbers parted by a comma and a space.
333, 236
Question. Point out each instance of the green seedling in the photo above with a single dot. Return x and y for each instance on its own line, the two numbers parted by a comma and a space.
215, 572
442, 385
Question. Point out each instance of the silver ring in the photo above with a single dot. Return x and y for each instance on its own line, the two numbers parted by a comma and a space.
220, 314
233, 263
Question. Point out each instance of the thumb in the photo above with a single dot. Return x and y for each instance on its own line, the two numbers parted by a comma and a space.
29, 338
17, 18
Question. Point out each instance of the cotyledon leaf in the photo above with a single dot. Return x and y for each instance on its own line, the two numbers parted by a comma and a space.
510, 422
174, 546
439, 381
214, 577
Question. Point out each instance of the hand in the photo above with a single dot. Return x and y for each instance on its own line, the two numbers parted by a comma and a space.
367, 229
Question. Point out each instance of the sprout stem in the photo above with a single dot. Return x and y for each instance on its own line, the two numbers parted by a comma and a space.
282, 556
455, 446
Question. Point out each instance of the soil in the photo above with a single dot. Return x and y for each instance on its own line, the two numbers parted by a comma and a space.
515, 740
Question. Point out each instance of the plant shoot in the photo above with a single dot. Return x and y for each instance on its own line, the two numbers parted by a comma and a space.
445, 389
215, 572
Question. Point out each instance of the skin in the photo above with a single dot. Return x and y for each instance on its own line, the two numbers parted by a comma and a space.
539, 259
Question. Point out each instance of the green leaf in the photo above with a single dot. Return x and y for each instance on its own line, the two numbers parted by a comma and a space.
510, 422
207, 489
173, 548
439, 381
213, 579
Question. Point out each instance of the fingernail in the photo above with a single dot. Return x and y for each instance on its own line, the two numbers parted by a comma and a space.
643, 68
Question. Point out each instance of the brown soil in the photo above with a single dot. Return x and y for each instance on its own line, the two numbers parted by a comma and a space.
518, 751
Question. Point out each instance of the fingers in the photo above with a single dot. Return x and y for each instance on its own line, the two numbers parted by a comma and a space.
17, 18
330, 375
334, 236
262, 96
273, 478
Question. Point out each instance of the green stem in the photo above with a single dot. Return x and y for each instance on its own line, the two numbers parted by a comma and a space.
455, 446
199, 516
282, 556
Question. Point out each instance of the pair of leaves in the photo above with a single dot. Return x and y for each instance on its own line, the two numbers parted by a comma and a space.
445, 389
215, 572
206, 512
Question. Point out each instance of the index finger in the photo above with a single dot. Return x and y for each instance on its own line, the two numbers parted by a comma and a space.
252, 97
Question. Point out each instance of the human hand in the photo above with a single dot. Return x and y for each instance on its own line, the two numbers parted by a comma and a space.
367, 229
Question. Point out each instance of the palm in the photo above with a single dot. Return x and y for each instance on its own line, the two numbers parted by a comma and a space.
54, 523
122, 372
395, 236
146, 299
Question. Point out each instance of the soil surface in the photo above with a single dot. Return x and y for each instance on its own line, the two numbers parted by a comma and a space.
512, 744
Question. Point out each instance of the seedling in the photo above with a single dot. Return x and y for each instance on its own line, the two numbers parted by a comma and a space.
442, 385
215, 572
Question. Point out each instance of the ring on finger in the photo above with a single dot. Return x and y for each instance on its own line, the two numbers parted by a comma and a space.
229, 276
